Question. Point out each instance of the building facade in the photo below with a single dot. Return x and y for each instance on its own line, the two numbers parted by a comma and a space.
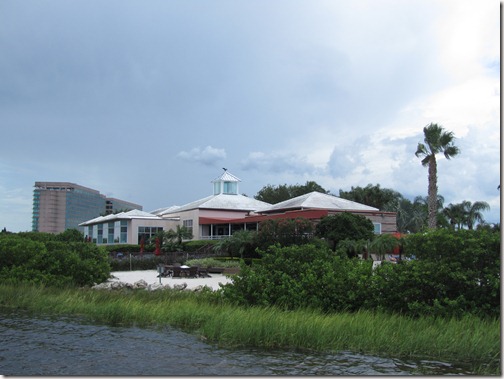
225, 212
58, 206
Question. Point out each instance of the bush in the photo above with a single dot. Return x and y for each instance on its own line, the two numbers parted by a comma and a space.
455, 273
285, 232
123, 248
51, 262
301, 276
336, 228
192, 246
213, 262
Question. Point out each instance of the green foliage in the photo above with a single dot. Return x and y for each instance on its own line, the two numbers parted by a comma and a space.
212, 262
125, 248
135, 262
172, 240
455, 274
384, 199
464, 265
436, 141
299, 277
192, 246
465, 214
336, 228
285, 232
70, 235
241, 244
471, 340
47, 260
276, 194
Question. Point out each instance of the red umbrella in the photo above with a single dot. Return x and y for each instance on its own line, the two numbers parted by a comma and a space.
158, 247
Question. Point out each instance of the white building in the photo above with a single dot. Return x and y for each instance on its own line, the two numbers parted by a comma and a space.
226, 211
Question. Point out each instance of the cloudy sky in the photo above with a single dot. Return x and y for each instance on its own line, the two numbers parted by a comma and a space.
147, 100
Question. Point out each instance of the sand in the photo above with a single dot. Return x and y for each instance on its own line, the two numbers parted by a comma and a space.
150, 276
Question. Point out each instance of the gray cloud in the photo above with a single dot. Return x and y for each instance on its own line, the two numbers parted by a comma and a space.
277, 163
289, 90
207, 156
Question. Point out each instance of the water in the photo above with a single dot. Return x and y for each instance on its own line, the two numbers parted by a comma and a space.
51, 346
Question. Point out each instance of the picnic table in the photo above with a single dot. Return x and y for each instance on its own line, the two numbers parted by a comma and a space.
178, 271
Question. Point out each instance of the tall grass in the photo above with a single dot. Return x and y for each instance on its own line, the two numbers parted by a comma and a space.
466, 340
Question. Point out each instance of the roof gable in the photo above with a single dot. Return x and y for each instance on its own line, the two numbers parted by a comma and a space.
226, 177
224, 202
135, 213
318, 200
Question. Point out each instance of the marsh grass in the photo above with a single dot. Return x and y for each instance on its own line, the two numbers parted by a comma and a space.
469, 339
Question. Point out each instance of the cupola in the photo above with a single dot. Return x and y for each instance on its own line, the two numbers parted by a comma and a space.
226, 184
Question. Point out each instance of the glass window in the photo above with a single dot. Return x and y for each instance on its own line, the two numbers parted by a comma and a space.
188, 224
216, 187
147, 232
377, 228
230, 188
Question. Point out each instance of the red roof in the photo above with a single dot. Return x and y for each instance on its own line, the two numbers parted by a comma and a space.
308, 213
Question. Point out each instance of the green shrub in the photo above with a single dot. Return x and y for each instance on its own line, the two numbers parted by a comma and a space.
192, 246
455, 273
213, 262
24, 258
123, 248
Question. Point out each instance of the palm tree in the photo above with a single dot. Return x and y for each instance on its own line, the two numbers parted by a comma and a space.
456, 215
383, 244
437, 140
172, 239
473, 214
183, 233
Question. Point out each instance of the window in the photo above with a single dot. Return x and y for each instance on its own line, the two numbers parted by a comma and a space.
100, 233
230, 188
188, 224
111, 232
147, 232
377, 228
124, 232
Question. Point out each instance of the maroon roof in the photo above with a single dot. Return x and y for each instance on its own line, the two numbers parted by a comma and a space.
307, 213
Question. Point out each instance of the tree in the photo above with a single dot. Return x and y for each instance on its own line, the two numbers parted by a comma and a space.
474, 212
465, 213
69, 235
273, 195
172, 239
336, 228
437, 140
456, 215
183, 233
242, 243
383, 244
382, 198
285, 232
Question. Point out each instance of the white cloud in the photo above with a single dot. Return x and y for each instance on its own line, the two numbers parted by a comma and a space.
207, 156
278, 163
332, 91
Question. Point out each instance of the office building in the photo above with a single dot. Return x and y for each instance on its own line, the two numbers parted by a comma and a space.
58, 206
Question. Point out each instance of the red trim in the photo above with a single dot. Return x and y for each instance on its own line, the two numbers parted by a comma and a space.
308, 213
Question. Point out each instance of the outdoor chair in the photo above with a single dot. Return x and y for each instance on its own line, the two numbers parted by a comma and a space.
193, 272
203, 272
176, 272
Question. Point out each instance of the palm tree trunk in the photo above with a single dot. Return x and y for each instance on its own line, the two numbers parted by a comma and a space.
432, 192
